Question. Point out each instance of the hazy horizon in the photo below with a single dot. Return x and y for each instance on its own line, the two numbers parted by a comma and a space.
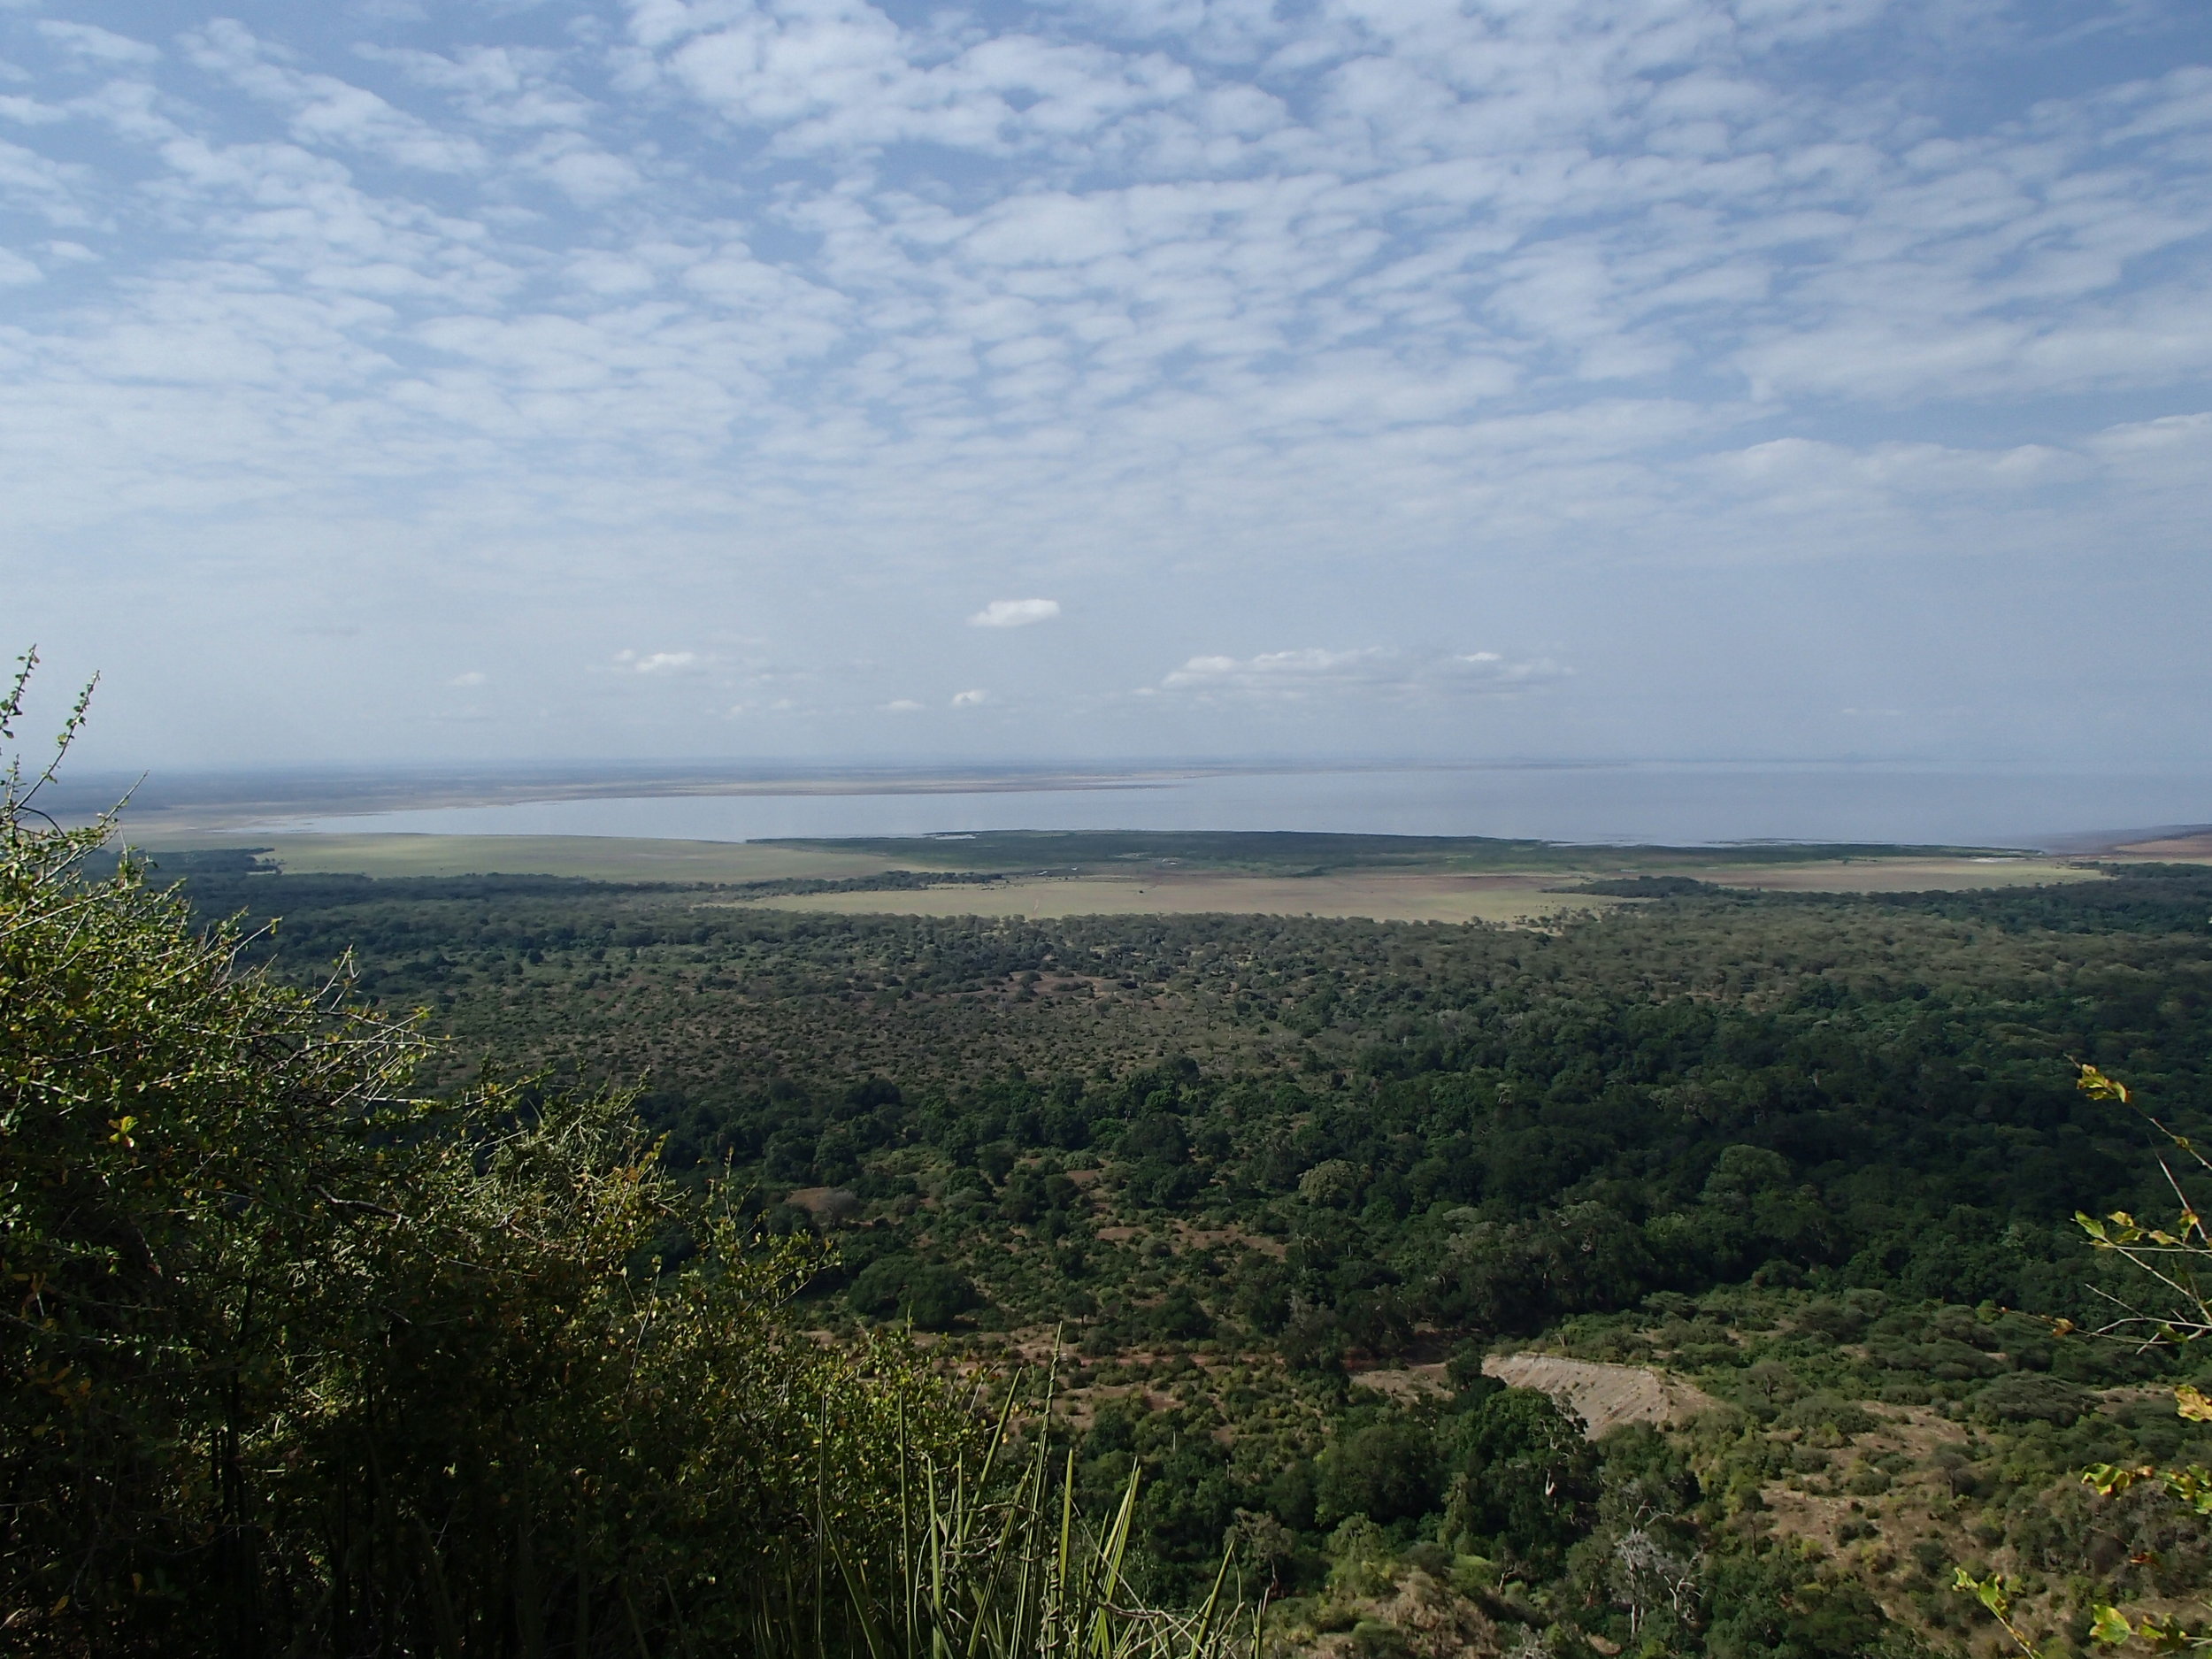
810, 381
1637, 803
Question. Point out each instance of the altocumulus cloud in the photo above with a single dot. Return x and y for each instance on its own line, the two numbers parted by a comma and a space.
84, 41
584, 322
1015, 613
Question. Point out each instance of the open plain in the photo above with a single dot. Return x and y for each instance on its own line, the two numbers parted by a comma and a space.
1402, 893
587, 857
1383, 897
1407, 895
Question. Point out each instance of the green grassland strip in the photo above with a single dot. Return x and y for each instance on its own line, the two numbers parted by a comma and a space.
1299, 853
1407, 896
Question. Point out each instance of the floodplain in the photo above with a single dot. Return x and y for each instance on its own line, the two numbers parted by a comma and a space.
1039, 876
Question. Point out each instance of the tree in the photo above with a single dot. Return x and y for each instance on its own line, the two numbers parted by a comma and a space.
1524, 1479
1386, 1471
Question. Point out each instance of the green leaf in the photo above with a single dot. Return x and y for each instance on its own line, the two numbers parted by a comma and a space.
2109, 1626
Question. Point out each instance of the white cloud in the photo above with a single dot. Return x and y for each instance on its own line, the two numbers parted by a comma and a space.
970, 699
1015, 613
99, 45
473, 677
658, 662
324, 109
586, 173
837, 75
902, 705
1338, 322
1310, 666
496, 86
1373, 672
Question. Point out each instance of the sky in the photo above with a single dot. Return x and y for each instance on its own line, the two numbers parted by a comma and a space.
1110, 378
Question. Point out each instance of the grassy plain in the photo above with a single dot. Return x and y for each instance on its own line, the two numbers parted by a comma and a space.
1382, 898
1403, 896
1304, 853
1386, 880
595, 857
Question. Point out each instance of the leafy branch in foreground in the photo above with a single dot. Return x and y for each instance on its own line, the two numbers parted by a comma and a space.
2174, 1257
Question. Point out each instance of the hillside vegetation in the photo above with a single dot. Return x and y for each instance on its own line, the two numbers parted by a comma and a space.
1802, 1151
298, 1359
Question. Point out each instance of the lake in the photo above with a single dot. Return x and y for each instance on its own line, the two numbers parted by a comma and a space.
1678, 804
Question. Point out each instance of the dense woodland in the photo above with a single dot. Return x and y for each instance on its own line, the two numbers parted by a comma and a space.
1818, 1154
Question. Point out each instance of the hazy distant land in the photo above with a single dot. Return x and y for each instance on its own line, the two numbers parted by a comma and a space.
1044, 875
1032, 873
175, 803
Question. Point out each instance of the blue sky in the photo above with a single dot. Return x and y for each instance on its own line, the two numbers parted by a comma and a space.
1655, 377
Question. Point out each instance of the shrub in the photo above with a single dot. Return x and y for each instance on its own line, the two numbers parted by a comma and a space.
1821, 1409
905, 1287
2032, 1397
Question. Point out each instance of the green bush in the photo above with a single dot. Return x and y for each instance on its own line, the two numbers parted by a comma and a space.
931, 1295
1823, 1410
1386, 1472
296, 1362
2031, 1397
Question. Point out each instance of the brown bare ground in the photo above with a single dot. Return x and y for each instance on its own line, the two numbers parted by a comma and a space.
1603, 1397
1403, 1382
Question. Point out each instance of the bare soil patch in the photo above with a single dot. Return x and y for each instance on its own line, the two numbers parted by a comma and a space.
1603, 1397
1404, 1382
